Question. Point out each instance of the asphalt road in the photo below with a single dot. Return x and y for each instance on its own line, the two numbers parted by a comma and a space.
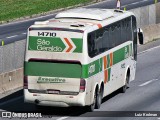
142, 95
17, 30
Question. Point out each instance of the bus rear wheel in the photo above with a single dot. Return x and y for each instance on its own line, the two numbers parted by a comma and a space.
92, 106
96, 100
124, 88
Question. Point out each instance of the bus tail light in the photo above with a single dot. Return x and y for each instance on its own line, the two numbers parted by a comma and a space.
82, 85
25, 80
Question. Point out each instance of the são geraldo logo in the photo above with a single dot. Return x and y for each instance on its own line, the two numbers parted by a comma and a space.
44, 45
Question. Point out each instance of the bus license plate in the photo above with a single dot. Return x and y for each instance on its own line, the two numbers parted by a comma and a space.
53, 92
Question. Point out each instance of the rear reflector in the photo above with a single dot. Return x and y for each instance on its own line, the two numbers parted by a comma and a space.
82, 85
25, 82
30, 29
57, 29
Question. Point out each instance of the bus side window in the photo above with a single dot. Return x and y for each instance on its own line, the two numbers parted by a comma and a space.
134, 27
91, 44
129, 31
118, 34
111, 37
123, 35
99, 38
105, 42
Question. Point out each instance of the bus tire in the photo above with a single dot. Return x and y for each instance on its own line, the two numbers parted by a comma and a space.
98, 99
91, 107
124, 88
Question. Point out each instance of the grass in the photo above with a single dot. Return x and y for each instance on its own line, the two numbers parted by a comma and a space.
11, 9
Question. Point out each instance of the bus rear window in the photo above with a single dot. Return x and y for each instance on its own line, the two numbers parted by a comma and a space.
53, 69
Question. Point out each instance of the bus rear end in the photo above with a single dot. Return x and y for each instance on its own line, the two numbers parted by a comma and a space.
53, 68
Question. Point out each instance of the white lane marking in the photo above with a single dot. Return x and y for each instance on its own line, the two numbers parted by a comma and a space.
158, 118
149, 49
135, 3
12, 36
15, 35
62, 118
146, 83
11, 100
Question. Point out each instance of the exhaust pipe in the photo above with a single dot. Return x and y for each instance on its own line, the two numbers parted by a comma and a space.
37, 101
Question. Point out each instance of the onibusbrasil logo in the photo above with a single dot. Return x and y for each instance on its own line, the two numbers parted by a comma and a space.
11, 115
50, 80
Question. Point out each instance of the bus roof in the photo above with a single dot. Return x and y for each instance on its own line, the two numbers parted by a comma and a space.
94, 14
83, 18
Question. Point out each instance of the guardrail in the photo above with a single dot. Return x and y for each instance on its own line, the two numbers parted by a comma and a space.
12, 55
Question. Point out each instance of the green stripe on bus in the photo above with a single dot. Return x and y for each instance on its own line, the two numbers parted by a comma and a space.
52, 69
92, 68
118, 56
108, 61
121, 54
109, 74
78, 43
100, 64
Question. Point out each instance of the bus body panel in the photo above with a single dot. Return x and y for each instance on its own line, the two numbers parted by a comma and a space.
117, 72
55, 100
53, 65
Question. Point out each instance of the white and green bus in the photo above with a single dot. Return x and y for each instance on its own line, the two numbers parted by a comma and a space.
79, 57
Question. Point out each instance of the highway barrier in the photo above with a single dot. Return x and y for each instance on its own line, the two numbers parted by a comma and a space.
145, 15
12, 55
148, 18
151, 32
157, 13
11, 65
11, 80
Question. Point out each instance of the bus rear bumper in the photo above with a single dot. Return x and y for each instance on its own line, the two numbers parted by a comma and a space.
54, 100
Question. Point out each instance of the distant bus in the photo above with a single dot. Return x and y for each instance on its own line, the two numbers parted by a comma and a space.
79, 57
